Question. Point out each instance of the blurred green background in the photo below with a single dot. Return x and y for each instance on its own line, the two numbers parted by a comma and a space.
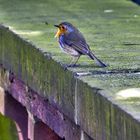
7, 129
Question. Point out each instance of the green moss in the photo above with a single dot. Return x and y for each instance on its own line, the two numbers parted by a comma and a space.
38, 71
104, 118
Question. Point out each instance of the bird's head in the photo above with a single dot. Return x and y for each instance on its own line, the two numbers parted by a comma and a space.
64, 28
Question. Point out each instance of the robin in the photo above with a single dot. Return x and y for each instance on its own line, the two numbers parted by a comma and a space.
73, 43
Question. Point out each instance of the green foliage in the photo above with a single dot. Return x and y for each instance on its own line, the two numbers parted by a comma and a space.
7, 129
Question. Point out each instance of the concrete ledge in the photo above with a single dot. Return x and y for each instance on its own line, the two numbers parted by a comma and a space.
89, 107
37, 107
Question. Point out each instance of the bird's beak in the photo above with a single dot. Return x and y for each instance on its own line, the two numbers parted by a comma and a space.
56, 26
58, 32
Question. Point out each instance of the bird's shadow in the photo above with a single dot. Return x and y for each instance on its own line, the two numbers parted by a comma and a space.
88, 66
84, 66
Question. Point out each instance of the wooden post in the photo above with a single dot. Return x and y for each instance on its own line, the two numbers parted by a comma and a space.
37, 130
11, 108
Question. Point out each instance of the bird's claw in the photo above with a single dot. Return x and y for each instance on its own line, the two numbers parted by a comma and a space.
70, 66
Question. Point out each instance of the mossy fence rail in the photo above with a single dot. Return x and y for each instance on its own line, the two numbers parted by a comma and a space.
48, 101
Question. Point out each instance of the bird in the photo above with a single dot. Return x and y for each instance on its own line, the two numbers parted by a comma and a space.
72, 42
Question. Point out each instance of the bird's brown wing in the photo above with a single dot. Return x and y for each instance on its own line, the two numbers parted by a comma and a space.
77, 42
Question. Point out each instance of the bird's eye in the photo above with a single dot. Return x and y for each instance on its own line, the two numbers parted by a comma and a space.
63, 27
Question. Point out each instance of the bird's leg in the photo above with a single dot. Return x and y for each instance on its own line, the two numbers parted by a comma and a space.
74, 61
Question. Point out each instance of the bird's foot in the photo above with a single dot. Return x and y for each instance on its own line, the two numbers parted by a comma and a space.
74, 65
70, 66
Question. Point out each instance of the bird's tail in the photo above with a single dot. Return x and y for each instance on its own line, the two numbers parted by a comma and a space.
97, 61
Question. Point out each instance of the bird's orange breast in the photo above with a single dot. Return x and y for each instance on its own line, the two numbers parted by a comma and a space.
60, 32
